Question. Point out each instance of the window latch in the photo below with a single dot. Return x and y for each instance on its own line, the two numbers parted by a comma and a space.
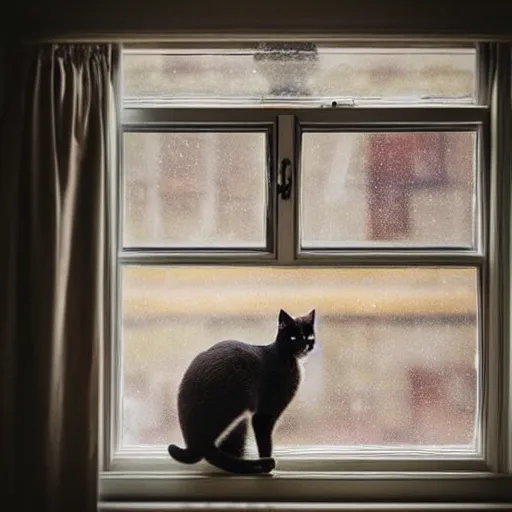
284, 185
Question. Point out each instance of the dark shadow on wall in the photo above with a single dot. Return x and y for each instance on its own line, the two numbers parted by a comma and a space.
387, 17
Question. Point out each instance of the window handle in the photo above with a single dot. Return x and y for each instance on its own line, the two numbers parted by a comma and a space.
284, 185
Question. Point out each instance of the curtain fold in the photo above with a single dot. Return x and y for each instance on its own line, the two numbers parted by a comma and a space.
56, 133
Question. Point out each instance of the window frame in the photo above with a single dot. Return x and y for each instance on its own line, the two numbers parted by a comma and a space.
134, 476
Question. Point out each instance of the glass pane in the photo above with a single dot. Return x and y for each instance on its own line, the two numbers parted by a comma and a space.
414, 188
282, 72
195, 189
395, 364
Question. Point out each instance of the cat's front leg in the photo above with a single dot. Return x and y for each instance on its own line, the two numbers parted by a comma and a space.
263, 425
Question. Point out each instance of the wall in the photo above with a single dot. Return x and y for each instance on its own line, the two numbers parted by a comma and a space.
2, 79
54, 18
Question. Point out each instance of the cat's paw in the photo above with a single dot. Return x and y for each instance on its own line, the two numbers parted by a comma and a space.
267, 464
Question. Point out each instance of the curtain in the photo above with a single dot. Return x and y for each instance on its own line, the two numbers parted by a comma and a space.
56, 133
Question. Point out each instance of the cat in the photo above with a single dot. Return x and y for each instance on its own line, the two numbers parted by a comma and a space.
234, 382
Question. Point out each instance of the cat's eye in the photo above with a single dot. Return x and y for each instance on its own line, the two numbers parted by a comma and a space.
293, 338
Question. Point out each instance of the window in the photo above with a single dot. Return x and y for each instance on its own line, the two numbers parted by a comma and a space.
367, 182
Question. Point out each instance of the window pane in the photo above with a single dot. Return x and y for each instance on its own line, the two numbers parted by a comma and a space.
318, 74
195, 189
411, 188
395, 363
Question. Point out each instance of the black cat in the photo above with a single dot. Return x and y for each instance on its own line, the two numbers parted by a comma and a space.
234, 382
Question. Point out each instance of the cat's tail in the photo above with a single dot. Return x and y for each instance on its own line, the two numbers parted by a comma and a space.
182, 455
236, 465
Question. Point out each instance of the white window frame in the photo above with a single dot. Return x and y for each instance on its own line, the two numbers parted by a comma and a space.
345, 475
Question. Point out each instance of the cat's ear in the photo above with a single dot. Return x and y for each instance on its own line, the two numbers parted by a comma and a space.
310, 317
284, 318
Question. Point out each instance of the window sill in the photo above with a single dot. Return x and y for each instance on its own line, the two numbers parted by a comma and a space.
308, 487
299, 507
